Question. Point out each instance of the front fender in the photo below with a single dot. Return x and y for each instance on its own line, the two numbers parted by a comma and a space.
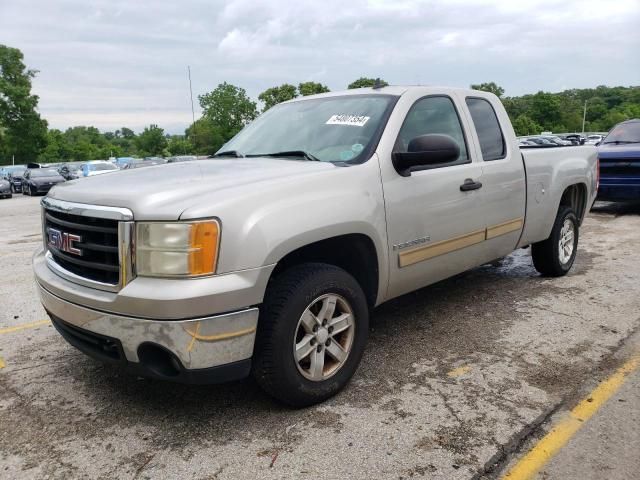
261, 227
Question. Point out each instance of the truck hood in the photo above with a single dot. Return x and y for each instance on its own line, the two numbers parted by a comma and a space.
163, 192
622, 151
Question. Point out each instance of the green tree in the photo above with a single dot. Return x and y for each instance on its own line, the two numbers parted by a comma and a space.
206, 137
546, 110
523, 125
24, 133
228, 108
311, 88
178, 145
151, 141
127, 133
57, 147
490, 87
365, 82
274, 95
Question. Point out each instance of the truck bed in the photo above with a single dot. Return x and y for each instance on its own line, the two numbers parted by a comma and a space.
549, 171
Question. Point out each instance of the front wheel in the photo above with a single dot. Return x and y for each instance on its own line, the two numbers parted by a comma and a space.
554, 256
312, 333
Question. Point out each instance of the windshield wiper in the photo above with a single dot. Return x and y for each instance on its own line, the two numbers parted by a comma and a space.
617, 142
289, 153
229, 153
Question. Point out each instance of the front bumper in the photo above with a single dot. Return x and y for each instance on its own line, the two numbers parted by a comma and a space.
618, 190
201, 350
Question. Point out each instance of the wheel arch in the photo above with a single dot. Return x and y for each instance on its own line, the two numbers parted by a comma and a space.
354, 252
576, 197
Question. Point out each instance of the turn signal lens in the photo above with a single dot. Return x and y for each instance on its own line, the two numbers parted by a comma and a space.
204, 248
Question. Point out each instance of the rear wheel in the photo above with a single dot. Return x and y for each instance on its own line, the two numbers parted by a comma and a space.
311, 335
554, 256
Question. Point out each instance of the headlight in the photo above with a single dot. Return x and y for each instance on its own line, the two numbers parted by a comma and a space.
177, 249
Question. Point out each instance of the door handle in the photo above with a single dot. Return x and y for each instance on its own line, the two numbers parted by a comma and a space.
469, 184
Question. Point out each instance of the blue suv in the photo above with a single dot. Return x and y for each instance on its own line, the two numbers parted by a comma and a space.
619, 154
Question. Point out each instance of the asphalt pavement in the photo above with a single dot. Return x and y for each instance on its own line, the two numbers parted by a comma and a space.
458, 381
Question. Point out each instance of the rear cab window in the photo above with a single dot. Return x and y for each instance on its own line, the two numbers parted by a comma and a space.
485, 121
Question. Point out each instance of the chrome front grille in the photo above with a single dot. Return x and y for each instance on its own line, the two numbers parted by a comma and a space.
87, 244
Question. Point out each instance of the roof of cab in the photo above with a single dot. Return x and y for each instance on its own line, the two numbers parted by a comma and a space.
396, 90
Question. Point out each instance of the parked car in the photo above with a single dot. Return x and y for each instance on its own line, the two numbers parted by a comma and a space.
270, 257
541, 141
593, 139
182, 158
120, 162
574, 138
97, 167
619, 155
144, 163
71, 170
40, 180
14, 175
5, 189
557, 140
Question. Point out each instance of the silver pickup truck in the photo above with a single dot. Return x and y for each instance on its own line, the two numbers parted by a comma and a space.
269, 258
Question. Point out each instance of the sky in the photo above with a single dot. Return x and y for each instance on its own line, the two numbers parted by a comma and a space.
112, 63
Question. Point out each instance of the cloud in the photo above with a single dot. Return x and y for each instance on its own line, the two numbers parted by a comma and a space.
111, 63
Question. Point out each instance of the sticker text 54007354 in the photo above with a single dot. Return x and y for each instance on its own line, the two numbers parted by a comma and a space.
344, 119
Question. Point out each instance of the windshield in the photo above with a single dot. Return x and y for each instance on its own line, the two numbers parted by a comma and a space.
624, 133
17, 170
101, 166
332, 129
44, 172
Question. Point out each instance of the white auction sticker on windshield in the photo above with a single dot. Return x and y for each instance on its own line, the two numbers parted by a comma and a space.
353, 120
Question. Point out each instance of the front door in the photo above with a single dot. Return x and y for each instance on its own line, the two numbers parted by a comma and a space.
435, 227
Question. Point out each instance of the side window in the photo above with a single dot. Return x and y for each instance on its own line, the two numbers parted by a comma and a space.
433, 115
488, 129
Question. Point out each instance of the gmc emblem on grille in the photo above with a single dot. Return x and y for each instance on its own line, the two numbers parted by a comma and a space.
63, 241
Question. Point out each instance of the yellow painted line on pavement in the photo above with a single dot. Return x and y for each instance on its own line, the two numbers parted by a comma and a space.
24, 326
529, 465
456, 372
2, 364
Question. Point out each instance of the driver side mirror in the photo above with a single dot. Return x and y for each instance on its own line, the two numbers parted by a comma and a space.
424, 151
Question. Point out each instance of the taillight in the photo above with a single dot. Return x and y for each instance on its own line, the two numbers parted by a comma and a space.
597, 173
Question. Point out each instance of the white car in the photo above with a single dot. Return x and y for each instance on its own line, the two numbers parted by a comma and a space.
593, 139
97, 167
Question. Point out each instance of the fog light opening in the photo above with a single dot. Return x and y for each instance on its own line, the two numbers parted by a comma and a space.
159, 360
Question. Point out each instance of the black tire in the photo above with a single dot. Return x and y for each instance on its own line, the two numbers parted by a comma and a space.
287, 297
546, 254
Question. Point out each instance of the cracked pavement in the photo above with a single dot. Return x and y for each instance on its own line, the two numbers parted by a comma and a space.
455, 377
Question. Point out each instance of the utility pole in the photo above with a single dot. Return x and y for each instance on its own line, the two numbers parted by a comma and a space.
13, 159
193, 113
584, 115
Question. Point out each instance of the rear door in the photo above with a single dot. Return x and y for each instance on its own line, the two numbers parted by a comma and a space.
503, 176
